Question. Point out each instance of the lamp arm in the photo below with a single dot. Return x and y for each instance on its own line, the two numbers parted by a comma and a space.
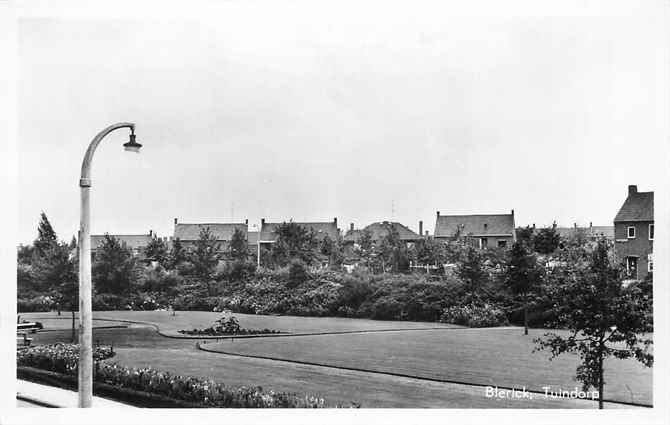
85, 180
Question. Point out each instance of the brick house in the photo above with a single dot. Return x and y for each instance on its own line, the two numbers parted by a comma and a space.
634, 233
189, 233
135, 243
479, 230
377, 231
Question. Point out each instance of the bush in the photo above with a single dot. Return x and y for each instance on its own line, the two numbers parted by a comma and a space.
103, 302
29, 305
63, 358
475, 315
238, 270
297, 273
229, 326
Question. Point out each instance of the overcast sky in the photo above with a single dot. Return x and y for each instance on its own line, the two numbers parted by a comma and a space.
365, 113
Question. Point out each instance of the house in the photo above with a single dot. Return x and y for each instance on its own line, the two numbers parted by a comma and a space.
321, 230
378, 231
135, 243
634, 233
480, 230
189, 233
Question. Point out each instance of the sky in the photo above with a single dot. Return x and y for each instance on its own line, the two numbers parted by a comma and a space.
310, 111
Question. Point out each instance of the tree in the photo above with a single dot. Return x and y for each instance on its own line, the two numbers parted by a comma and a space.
293, 242
389, 248
177, 255
366, 246
239, 249
522, 276
46, 236
205, 255
472, 273
603, 317
115, 268
68, 290
525, 235
157, 250
547, 240
332, 250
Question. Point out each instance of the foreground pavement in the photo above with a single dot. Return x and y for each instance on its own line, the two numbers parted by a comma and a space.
30, 394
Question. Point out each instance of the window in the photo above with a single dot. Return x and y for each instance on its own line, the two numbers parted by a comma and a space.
486, 226
631, 232
651, 232
502, 243
650, 262
483, 242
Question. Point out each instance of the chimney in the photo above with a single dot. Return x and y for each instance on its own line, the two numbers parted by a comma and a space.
575, 225
438, 213
335, 221
262, 221
420, 227
512, 211
632, 189
246, 221
426, 233
151, 233
175, 220
533, 226
351, 226
590, 225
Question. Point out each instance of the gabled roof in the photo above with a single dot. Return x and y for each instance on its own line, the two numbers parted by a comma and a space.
639, 206
474, 225
321, 229
130, 241
222, 231
378, 230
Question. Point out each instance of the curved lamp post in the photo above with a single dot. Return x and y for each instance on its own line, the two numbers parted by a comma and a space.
85, 369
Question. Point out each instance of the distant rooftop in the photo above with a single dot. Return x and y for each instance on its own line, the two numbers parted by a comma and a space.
378, 230
474, 225
222, 231
638, 206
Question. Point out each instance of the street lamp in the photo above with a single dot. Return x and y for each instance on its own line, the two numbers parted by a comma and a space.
85, 368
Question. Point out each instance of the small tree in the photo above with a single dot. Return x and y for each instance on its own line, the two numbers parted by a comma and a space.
547, 240
177, 255
472, 273
604, 318
524, 235
46, 236
294, 242
156, 250
205, 256
366, 246
115, 270
239, 249
389, 248
332, 250
522, 276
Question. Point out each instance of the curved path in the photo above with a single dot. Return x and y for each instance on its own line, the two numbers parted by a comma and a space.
145, 344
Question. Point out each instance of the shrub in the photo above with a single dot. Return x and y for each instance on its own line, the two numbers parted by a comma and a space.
61, 358
297, 273
29, 305
475, 315
103, 302
238, 270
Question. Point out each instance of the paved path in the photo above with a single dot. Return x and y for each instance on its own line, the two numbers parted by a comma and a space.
30, 394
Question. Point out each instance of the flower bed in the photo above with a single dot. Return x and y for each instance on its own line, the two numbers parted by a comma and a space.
475, 315
62, 359
229, 326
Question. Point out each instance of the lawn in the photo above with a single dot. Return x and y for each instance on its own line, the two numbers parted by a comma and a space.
485, 356
501, 357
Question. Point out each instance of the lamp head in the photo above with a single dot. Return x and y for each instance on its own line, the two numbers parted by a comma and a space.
132, 145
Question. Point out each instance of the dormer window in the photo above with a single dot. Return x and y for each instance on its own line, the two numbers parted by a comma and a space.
631, 232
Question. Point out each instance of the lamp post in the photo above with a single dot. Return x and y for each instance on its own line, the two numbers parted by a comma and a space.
85, 368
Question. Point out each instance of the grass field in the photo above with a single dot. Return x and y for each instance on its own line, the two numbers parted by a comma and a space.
486, 356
